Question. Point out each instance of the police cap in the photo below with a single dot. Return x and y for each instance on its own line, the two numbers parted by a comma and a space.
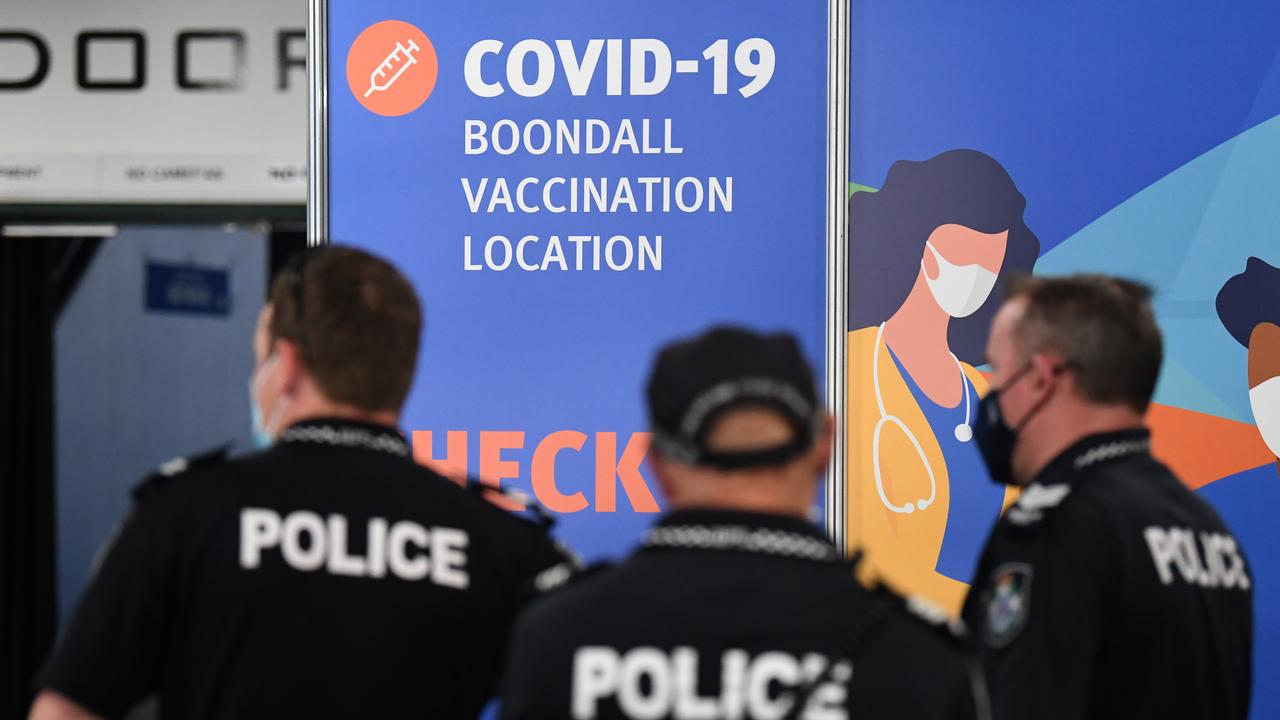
696, 381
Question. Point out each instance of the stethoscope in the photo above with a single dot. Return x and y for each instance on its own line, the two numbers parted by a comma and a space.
964, 433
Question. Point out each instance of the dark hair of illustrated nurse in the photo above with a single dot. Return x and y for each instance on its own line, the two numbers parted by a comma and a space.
939, 215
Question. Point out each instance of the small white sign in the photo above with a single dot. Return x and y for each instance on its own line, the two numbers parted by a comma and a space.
138, 101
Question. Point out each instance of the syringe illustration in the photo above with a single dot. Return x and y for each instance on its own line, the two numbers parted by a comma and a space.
401, 56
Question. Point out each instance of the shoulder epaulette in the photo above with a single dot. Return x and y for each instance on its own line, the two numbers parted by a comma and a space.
935, 617
567, 574
180, 466
1035, 501
915, 606
533, 511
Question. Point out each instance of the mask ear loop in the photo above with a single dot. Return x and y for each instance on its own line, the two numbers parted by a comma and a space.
281, 403
1054, 371
937, 258
267, 367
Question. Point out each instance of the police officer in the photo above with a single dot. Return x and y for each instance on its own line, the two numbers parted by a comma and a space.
735, 606
1109, 590
327, 577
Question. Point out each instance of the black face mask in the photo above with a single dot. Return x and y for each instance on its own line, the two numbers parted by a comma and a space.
995, 438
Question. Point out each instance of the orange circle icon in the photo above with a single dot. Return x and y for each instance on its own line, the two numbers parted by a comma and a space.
392, 68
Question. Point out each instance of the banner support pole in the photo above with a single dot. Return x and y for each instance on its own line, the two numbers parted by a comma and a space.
317, 123
838, 31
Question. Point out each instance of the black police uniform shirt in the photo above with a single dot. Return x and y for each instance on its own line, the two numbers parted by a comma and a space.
1110, 590
328, 577
721, 615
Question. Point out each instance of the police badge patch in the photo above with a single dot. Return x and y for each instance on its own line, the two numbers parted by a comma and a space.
1008, 604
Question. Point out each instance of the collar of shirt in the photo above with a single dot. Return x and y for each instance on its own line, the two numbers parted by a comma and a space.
344, 433
727, 530
1093, 451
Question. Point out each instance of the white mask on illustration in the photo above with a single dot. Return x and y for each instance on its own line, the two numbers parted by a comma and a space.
959, 289
1265, 399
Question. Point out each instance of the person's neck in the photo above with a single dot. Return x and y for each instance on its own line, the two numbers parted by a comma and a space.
750, 495
1055, 433
919, 326
312, 406
917, 334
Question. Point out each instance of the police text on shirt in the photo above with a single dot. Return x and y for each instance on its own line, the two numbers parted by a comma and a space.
309, 542
647, 682
1216, 564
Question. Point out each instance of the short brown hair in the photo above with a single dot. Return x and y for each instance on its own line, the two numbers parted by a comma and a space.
357, 321
1103, 326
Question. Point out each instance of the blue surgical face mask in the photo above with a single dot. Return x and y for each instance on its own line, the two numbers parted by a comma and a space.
263, 437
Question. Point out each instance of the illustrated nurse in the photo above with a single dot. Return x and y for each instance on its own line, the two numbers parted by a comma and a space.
926, 255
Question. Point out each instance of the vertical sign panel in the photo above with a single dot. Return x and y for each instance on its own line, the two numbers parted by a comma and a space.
1066, 137
570, 185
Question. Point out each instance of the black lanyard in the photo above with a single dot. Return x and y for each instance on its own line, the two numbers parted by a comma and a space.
851, 642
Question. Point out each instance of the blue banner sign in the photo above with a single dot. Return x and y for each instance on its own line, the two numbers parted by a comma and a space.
569, 186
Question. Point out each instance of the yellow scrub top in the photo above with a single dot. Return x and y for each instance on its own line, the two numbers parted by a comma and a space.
901, 549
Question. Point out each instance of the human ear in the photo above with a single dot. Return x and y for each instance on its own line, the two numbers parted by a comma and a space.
292, 365
1045, 368
820, 454
663, 475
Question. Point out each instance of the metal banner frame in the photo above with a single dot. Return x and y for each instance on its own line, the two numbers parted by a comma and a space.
837, 173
